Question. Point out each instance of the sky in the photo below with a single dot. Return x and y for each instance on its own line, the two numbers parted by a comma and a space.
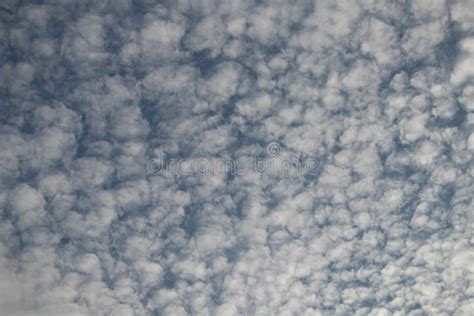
236, 157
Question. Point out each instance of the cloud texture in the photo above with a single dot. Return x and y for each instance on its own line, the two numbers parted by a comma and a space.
379, 92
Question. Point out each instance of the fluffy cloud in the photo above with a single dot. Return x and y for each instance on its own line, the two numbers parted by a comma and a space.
375, 95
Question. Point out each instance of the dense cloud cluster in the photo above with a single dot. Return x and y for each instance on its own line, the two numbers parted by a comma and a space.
381, 93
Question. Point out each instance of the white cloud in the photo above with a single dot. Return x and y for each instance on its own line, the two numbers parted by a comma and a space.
462, 14
91, 92
381, 42
464, 68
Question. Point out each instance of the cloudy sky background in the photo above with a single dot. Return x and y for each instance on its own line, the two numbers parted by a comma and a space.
380, 93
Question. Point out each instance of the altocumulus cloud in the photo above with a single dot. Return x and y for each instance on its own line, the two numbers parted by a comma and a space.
380, 93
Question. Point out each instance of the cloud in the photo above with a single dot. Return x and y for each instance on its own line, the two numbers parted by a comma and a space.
463, 68
377, 95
